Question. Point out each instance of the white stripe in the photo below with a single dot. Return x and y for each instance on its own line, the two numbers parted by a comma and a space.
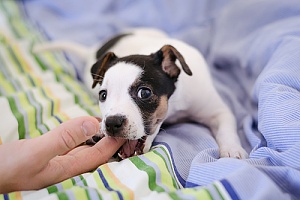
222, 190
133, 178
66, 98
8, 123
28, 195
171, 164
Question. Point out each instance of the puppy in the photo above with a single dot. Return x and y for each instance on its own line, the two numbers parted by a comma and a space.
143, 79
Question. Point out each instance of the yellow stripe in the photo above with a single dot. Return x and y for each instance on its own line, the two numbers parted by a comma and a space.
30, 111
199, 193
50, 60
16, 18
45, 103
63, 116
12, 62
18, 196
98, 181
67, 184
114, 183
56, 102
37, 80
21, 59
21, 28
7, 86
166, 178
79, 193
15, 196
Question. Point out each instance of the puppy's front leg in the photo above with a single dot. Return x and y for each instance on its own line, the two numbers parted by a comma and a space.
148, 143
223, 126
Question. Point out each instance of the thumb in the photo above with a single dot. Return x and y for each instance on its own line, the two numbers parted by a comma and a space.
66, 136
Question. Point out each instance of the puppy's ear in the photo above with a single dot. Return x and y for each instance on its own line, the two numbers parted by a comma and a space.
167, 56
100, 67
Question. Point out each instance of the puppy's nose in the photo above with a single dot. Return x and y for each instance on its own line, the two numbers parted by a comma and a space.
114, 124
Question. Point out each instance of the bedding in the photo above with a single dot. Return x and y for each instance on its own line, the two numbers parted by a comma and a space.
253, 50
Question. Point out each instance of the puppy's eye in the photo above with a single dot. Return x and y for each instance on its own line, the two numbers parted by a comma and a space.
102, 95
144, 93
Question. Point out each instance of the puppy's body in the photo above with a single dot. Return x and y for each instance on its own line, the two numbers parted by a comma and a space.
174, 96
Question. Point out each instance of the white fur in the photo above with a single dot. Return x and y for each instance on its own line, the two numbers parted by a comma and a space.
195, 97
118, 99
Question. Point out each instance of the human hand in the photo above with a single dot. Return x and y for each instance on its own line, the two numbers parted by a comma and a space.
55, 156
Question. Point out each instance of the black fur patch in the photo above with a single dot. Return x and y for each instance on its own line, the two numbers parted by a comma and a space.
153, 77
109, 44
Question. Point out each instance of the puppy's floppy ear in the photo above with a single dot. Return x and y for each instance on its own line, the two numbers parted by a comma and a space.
168, 55
100, 67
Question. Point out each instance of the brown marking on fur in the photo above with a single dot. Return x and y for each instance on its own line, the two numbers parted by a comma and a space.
101, 67
170, 54
160, 113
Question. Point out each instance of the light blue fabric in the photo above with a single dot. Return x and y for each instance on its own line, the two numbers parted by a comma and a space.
253, 49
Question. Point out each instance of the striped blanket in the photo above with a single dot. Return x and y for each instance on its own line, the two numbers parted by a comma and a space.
252, 48
38, 92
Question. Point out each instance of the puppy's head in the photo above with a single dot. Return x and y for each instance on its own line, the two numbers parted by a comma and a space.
134, 91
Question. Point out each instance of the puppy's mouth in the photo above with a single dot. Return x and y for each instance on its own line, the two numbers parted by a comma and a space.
128, 149
132, 148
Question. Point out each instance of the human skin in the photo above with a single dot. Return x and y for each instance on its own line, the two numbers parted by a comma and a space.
31, 164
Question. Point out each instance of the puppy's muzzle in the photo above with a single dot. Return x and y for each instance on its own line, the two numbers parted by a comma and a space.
114, 125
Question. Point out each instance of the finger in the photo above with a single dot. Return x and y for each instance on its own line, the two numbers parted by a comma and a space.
100, 153
88, 159
65, 137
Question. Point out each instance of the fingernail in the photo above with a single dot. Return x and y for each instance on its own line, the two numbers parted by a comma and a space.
88, 128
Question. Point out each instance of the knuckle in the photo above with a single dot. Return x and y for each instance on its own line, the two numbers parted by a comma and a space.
103, 154
68, 140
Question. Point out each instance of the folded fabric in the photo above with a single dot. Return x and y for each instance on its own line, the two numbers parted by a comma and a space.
253, 52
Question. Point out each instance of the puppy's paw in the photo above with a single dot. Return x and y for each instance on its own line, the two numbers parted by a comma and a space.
94, 139
233, 151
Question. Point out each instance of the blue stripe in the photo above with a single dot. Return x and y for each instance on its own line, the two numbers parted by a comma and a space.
5, 196
190, 184
57, 118
181, 180
50, 100
106, 184
229, 189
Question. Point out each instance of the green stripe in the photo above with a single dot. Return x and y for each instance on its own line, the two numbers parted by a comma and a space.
200, 193
30, 113
141, 165
6, 9
19, 117
15, 59
37, 115
171, 172
14, 27
62, 196
208, 193
49, 100
39, 62
7, 87
165, 177
11, 56
82, 97
174, 196
87, 195
217, 189
52, 189
83, 180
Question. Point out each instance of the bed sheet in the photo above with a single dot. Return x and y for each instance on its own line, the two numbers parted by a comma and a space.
253, 52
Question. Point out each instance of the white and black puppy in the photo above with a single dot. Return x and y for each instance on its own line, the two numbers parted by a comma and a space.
144, 79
